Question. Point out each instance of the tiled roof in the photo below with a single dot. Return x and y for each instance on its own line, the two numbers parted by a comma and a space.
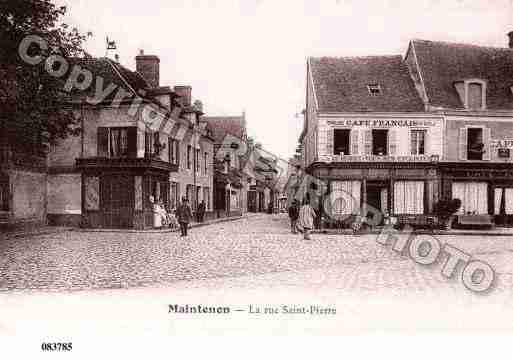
340, 84
441, 64
111, 72
223, 125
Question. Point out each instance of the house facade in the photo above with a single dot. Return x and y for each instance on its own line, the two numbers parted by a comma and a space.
399, 134
231, 183
144, 148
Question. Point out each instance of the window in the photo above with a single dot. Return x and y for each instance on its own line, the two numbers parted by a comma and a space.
472, 93
374, 89
148, 144
475, 145
4, 192
174, 155
473, 196
379, 142
198, 197
117, 141
173, 201
409, 197
189, 193
197, 160
418, 142
205, 160
475, 96
341, 140
189, 155
206, 197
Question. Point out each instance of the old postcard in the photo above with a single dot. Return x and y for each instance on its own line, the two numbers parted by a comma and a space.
254, 167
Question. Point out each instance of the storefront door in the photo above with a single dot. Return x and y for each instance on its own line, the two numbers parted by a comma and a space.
377, 196
117, 201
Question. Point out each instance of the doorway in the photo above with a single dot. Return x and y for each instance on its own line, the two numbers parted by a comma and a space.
377, 196
117, 201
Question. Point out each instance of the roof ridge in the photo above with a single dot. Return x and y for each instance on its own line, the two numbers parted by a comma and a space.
461, 44
356, 57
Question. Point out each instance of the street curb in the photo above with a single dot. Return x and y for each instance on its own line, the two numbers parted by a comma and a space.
441, 233
152, 231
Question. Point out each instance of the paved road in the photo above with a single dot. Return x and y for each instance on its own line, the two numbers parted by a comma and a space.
248, 262
257, 245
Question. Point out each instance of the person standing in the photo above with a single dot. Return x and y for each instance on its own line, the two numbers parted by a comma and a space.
294, 215
184, 214
306, 219
201, 211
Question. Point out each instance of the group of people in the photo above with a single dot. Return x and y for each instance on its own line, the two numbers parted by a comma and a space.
179, 217
302, 218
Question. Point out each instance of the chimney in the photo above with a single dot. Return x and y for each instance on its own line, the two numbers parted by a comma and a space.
149, 67
510, 35
185, 93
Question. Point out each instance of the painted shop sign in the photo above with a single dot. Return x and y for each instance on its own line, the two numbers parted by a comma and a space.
373, 158
506, 143
383, 123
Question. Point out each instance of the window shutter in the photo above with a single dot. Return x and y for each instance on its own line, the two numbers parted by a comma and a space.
354, 141
462, 144
487, 155
392, 142
132, 142
103, 142
330, 148
368, 142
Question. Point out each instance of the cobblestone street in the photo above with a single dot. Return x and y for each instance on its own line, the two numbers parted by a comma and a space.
46, 282
250, 246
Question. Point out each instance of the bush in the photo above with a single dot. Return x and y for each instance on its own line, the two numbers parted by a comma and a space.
445, 208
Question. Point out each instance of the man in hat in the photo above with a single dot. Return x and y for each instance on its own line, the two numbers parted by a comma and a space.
184, 215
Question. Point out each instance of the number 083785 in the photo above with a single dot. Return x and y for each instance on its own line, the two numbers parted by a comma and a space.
56, 347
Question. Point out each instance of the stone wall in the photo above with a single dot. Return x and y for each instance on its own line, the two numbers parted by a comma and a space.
28, 191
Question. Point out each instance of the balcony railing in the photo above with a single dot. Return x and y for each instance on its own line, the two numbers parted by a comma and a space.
376, 158
125, 163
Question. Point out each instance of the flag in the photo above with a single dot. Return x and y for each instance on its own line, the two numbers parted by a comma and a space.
111, 45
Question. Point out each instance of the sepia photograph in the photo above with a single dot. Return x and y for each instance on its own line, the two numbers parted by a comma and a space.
254, 168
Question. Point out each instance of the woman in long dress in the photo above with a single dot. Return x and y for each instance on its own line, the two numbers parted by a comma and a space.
306, 219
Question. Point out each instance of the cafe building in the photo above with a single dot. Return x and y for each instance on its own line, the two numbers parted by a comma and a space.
400, 133
367, 136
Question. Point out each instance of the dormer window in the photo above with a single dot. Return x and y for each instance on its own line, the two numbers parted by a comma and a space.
374, 89
472, 93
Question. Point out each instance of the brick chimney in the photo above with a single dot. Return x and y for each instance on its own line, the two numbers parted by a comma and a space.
510, 36
185, 93
149, 67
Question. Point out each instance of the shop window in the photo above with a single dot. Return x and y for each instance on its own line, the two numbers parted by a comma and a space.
409, 197
4, 192
418, 142
379, 142
341, 142
473, 197
173, 201
475, 145
206, 197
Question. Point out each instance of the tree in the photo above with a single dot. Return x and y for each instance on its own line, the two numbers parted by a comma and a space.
40, 115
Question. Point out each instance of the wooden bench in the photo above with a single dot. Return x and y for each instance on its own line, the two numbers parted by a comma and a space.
475, 220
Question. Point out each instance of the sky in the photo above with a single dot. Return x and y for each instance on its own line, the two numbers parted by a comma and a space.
250, 55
